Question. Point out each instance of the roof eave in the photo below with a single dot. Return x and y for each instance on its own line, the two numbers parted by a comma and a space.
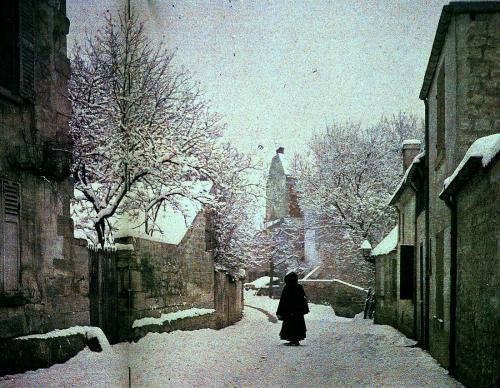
404, 184
465, 174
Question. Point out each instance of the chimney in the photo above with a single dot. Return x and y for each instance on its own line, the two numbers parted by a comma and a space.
280, 150
411, 148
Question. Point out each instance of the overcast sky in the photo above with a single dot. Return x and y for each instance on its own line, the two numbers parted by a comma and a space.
278, 70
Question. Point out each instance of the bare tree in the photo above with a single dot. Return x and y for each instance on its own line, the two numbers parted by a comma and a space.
140, 127
346, 182
234, 209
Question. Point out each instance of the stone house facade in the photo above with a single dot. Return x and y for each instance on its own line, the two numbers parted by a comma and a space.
43, 270
398, 284
455, 302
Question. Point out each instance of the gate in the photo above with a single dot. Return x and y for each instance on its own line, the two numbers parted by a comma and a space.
103, 290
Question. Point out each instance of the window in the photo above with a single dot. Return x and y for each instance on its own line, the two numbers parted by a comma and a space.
17, 47
439, 276
9, 234
394, 276
9, 53
406, 271
402, 227
440, 114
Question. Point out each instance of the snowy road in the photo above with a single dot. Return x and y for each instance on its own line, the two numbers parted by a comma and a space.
337, 353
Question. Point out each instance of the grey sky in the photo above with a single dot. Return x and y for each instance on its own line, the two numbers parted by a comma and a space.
277, 70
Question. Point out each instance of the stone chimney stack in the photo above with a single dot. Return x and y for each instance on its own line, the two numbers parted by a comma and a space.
280, 150
411, 148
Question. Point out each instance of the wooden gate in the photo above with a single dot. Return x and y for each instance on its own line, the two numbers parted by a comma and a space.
104, 292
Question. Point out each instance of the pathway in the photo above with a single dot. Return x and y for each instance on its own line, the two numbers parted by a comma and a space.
338, 352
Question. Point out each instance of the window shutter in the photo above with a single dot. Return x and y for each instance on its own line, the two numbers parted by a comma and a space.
10, 254
27, 48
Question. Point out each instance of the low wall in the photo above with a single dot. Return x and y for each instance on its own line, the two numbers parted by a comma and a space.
18, 356
155, 278
207, 321
228, 305
345, 300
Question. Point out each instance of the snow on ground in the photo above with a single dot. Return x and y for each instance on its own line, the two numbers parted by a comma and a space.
337, 352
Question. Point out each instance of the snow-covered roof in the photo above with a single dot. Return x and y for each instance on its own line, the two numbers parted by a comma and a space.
366, 245
411, 141
262, 282
403, 181
172, 223
484, 148
388, 244
269, 224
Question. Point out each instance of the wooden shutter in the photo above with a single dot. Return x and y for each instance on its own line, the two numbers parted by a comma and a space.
10, 252
27, 48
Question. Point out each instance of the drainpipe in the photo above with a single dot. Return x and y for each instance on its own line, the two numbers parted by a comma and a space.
427, 230
415, 242
452, 205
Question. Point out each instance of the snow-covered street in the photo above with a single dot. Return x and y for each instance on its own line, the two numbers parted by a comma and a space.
338, 352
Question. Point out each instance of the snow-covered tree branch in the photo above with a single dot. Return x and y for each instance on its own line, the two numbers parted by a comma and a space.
140, 126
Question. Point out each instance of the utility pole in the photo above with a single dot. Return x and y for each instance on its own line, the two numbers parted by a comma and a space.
271, 276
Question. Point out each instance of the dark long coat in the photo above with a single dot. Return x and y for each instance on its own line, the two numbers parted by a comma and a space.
291, 309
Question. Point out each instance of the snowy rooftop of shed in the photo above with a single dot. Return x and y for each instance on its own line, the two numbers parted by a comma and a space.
411, 141
171, 223
366, 245
388, 244
484, 148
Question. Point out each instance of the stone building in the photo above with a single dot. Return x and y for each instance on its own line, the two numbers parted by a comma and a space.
43, 270
386, 279
398, 284
455, 270
284, 220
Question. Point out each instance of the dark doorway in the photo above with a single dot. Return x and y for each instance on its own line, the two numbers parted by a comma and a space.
104, 292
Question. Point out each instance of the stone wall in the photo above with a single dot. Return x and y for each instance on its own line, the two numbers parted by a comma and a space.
18, 356
228, 305
35, 150
470, 60
478, 103
156, 278
386, 306
478, 280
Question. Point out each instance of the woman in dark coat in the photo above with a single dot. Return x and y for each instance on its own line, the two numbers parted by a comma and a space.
291, 310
